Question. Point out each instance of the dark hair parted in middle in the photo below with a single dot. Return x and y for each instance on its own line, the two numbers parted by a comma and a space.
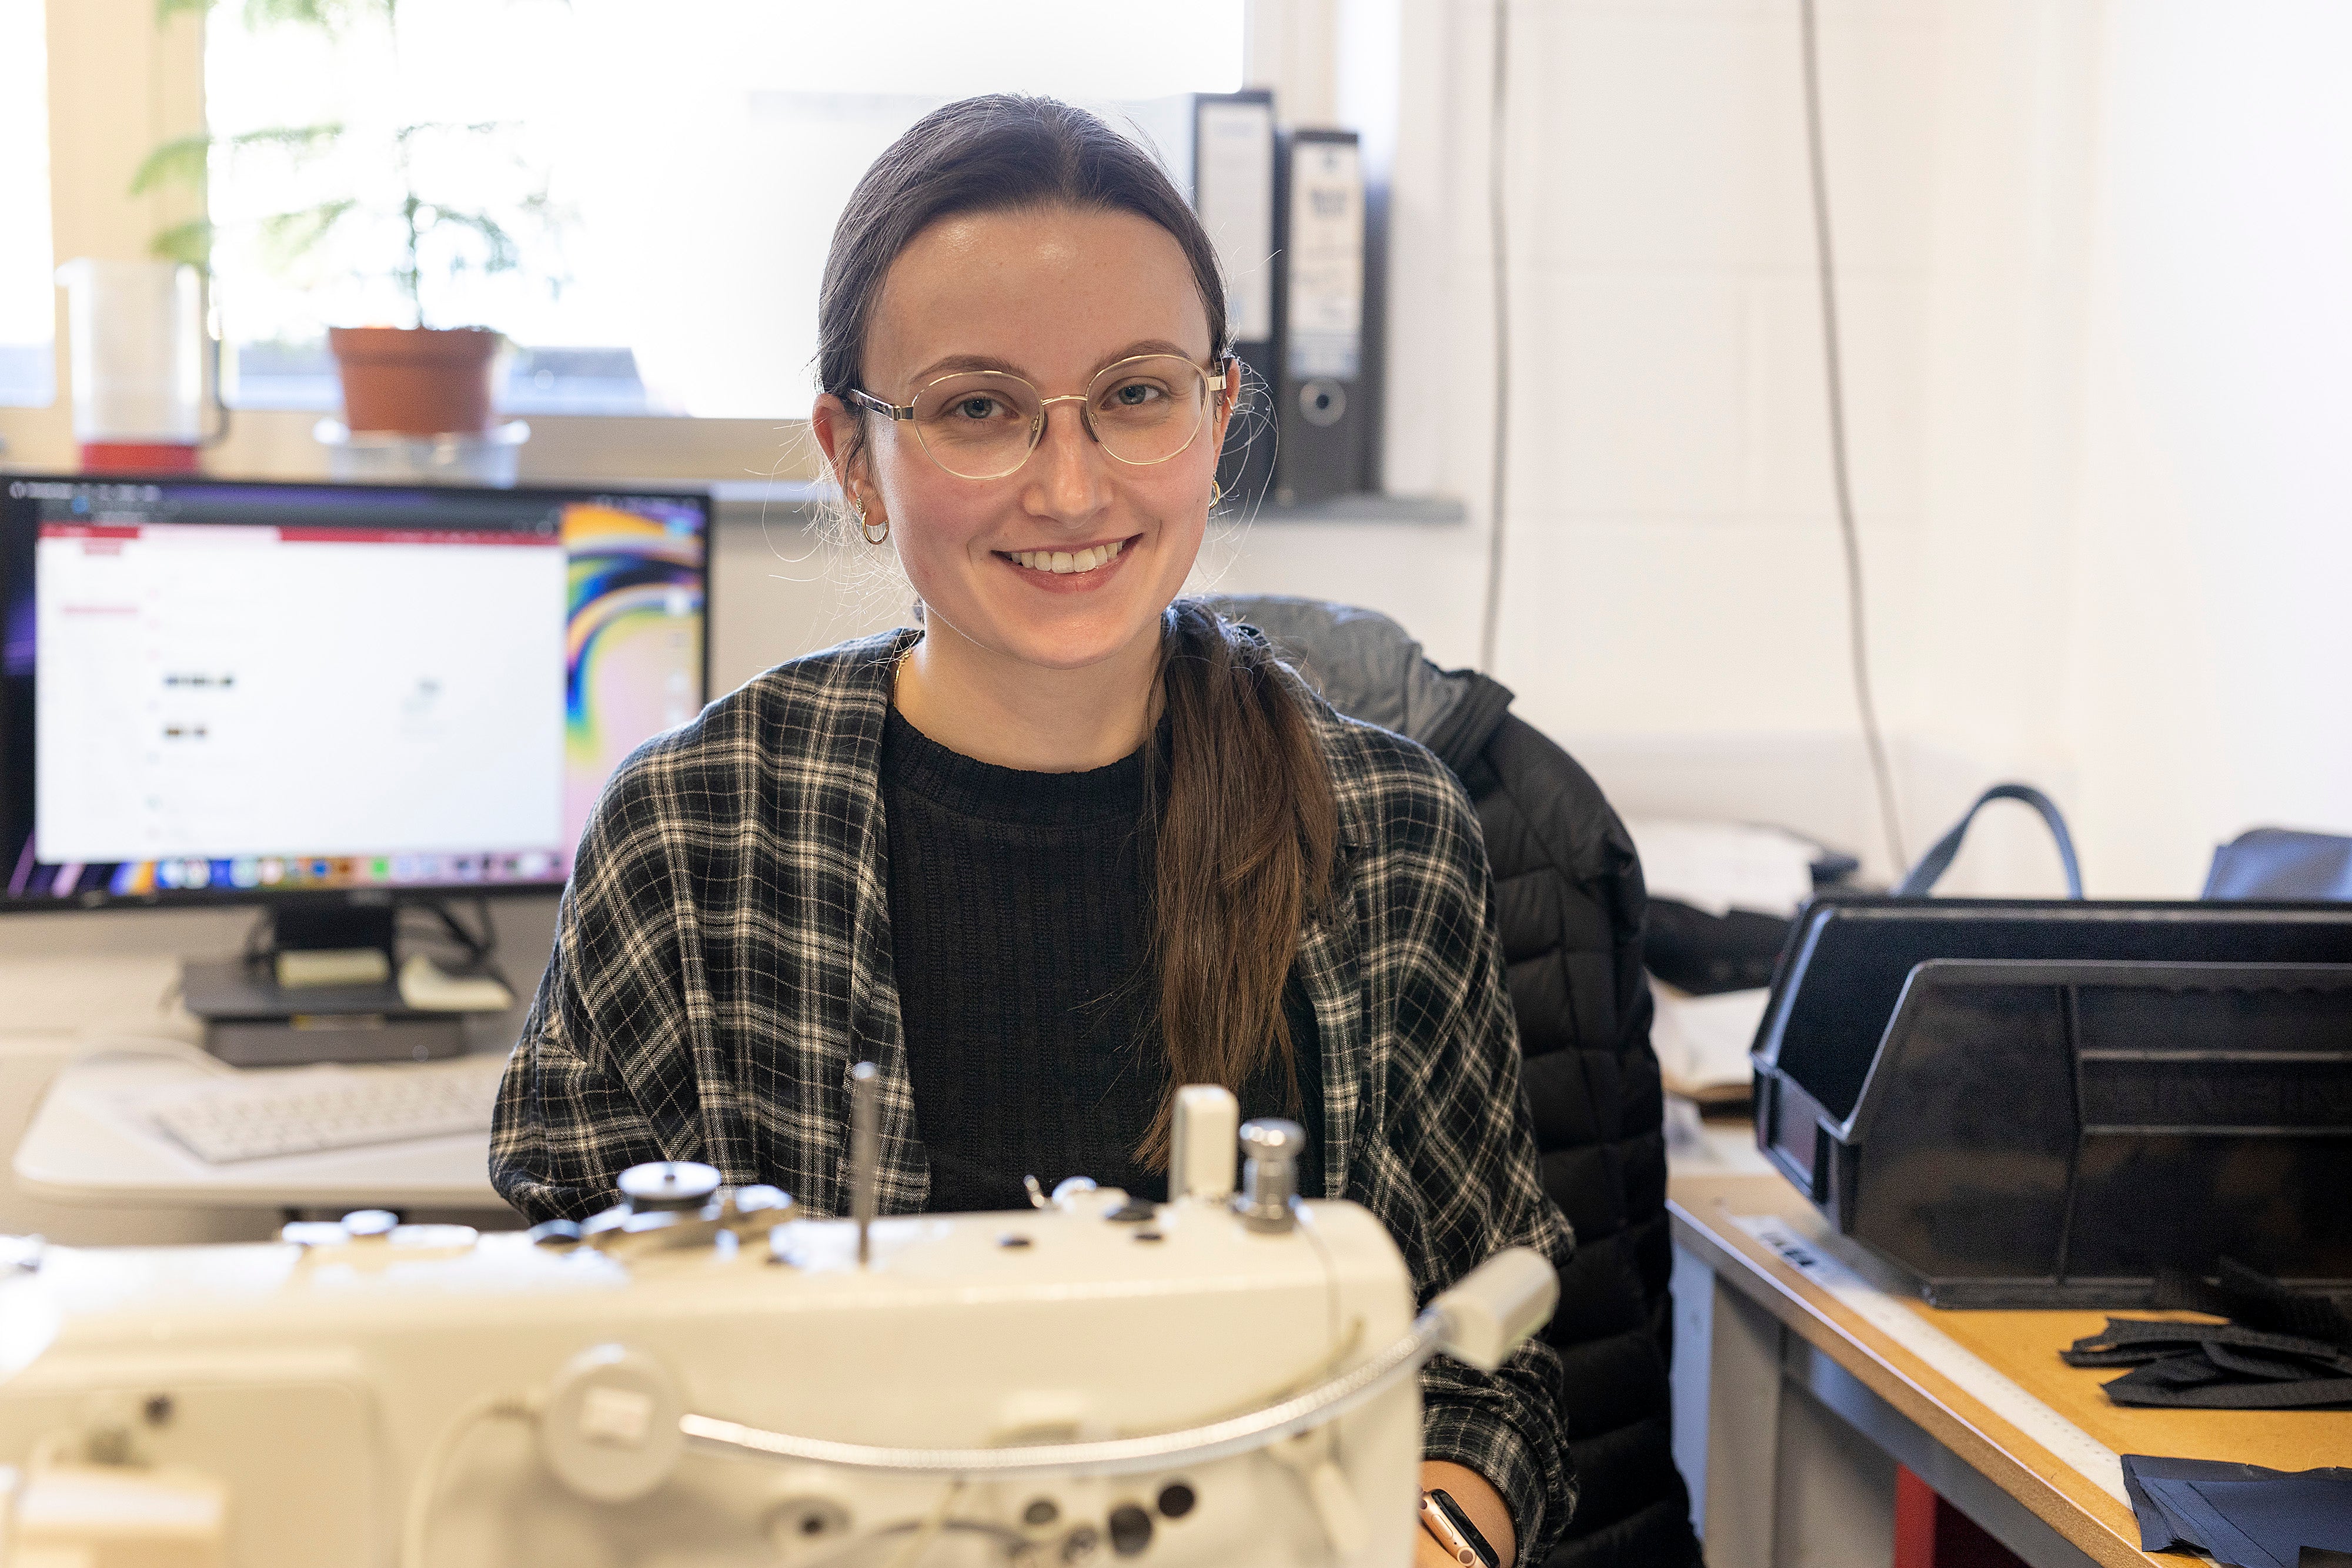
1247, 825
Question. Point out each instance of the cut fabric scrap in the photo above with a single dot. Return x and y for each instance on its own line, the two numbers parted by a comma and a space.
2242, 1515
2244, 1296
2215, 1366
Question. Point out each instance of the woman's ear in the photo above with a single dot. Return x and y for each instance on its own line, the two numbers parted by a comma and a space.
844, 446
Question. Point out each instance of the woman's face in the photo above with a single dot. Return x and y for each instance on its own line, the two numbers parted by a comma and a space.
1051, 294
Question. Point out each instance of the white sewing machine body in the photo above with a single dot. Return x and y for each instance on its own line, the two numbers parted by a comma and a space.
312, 1380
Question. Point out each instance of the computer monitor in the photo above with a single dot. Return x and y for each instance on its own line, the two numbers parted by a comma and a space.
304, 694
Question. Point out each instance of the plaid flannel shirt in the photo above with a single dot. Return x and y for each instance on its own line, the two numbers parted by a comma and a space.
722, 957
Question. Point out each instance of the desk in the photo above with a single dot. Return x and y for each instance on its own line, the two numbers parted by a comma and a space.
83, 1146
1977, 1405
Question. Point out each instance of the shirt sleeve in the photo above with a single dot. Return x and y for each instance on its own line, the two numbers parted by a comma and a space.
602, 1077
1463, 1125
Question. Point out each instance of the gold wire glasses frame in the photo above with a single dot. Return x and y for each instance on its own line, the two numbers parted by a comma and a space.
983, 425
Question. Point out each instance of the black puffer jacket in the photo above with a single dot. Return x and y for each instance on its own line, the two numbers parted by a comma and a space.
1568, 890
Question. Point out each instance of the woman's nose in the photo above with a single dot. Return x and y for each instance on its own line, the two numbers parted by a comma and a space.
1070, 466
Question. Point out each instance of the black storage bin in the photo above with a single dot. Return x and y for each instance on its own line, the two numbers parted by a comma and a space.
2040, 1104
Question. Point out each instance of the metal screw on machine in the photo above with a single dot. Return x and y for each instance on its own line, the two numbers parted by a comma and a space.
667, 1186
865, 1151
1270, 1151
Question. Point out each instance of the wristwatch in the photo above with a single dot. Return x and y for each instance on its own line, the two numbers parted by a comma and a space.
1444, 1518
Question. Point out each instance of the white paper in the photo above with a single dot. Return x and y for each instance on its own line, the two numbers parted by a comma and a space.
1702, 1042
1718, 867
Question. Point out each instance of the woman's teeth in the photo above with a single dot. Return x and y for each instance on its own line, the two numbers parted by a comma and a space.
1063, 563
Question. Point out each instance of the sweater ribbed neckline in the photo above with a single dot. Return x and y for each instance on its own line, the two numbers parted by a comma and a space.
986, 792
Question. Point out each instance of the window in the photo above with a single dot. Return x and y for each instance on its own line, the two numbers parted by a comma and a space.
662, 180
28, 296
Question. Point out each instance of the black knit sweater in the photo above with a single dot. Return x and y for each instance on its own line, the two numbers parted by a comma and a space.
1020, 925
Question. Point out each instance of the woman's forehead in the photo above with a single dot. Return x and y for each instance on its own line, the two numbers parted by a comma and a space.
1053, 292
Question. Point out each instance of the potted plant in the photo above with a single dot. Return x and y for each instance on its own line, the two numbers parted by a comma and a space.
405, 204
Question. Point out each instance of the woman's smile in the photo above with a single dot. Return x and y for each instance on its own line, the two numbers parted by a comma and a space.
1068, 569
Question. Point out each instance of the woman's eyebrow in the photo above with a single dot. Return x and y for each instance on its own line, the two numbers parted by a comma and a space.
1142, 345
956, 364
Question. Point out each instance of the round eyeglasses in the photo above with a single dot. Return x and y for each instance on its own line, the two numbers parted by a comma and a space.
983, 424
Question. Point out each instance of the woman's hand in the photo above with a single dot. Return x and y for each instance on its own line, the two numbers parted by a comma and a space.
1481, 1501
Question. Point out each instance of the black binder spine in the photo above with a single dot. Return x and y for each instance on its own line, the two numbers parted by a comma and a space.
1321, 414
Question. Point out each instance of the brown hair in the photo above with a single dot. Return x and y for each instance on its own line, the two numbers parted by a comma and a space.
1247, 825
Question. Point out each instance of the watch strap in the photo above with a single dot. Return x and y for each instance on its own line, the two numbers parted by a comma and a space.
1450, 1523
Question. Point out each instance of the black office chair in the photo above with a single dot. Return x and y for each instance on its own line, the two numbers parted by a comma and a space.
1568, 890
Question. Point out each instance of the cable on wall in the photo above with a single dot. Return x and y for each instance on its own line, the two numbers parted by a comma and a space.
1857, 633
1490, 621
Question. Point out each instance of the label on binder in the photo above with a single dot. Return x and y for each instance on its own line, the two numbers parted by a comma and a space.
1232, 180
1326, 259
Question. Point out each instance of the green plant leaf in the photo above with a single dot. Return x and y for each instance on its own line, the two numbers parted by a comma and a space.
299, 140
191, 242
182, 160
291, 236
167, 9
329, 16
500, 253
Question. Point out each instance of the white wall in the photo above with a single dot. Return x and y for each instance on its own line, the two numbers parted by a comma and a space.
2210, 659
1674, 603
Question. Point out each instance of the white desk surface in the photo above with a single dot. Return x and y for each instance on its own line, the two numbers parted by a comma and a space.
86, 1146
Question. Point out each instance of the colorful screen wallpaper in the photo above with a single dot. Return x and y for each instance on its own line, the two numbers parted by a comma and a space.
633, 643
633, 647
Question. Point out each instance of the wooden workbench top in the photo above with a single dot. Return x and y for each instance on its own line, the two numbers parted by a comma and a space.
2023, 1346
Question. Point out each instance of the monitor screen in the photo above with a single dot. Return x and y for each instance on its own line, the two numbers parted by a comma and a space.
216, 690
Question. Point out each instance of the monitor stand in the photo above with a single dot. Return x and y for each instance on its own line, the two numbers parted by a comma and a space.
253, 1019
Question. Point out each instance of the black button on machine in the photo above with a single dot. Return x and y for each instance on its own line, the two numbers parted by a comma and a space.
1176, 1500
1134, 1211
1040, 1512
1130, 1530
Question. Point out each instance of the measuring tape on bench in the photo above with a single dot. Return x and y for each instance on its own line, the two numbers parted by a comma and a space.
1894, 1316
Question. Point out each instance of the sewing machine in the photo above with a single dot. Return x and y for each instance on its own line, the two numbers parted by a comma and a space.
699, 1376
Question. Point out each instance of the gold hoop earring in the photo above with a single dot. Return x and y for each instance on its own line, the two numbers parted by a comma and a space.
858, 512
1216, 493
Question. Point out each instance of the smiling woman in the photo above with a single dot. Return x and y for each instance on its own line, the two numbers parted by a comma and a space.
1072, 843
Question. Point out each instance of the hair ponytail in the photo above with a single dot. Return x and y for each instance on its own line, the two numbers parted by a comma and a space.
1248, 834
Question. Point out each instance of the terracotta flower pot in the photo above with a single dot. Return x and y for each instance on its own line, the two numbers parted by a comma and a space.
415, 381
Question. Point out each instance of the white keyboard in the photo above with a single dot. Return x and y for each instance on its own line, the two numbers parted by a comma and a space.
308, 1110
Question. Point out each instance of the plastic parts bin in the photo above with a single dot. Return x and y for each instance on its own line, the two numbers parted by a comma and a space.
2040, 1104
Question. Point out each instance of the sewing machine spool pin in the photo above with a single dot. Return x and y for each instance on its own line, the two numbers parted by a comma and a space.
864, 1152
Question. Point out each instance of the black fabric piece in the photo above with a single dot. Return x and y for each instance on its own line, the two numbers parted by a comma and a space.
2146, 1387
1704, 954
2220, 1366
2247, 1296
2244, 1515
1020, 916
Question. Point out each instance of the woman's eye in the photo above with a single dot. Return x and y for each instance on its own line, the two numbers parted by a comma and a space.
1135, 394
975, 407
